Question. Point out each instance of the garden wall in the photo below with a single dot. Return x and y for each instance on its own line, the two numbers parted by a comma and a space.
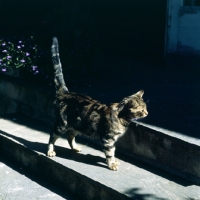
29, 99
163, 149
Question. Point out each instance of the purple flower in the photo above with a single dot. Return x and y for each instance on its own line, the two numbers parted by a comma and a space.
27, 54
3, 70
22, 45
9, 57
3, 44
34, 68
0, 60
18, 47
4, 51
20, 41
23, 61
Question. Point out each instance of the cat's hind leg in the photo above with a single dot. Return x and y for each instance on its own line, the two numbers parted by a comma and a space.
55, 134
50, 149
71, 140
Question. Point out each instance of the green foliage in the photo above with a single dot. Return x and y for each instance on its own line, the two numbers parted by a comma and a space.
18, 53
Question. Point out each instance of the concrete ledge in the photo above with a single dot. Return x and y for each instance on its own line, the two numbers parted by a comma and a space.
68, 179
86, 174
164, 149
173, 152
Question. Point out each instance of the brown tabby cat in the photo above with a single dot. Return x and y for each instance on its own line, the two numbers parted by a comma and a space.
77, 113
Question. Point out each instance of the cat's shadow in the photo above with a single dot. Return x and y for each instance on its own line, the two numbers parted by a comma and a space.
61, 152
89, 159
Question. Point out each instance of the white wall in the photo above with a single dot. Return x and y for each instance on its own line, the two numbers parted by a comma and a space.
172, 25
189, 30
183, 28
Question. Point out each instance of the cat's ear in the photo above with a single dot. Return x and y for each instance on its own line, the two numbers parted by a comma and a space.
140, 93
122, 104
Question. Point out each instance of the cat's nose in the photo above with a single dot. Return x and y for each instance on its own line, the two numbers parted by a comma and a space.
146, 113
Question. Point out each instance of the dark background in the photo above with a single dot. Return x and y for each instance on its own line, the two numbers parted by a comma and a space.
131, 28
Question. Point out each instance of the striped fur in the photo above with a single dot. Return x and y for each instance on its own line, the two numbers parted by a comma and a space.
59, 80
80, 114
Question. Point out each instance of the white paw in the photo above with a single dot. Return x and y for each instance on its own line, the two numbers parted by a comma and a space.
51, 152
114, 165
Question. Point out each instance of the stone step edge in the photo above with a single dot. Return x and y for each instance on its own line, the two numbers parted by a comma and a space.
76, 183
164, 149
173, 152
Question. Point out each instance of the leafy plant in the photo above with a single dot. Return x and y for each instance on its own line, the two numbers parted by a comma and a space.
18, 53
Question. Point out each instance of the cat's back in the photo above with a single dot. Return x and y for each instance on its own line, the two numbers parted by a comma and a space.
82, 112
76, 100
79, 98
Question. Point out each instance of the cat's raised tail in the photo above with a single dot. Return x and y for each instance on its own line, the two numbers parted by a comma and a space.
59, 80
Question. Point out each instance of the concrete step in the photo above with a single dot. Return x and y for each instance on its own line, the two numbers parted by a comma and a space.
86, 174
17, 183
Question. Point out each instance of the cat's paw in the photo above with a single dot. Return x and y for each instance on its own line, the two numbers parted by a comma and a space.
50, 151
77, 149
114, 165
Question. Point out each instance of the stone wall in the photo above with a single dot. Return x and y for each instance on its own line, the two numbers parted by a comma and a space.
31, 100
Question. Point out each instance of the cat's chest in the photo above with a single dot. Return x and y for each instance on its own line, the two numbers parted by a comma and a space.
116, 126
119, 129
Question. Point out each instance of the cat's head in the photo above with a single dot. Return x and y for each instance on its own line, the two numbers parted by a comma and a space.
133, 107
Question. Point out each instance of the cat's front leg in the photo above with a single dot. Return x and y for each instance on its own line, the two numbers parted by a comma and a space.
50, 150
109, 150
113, 164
